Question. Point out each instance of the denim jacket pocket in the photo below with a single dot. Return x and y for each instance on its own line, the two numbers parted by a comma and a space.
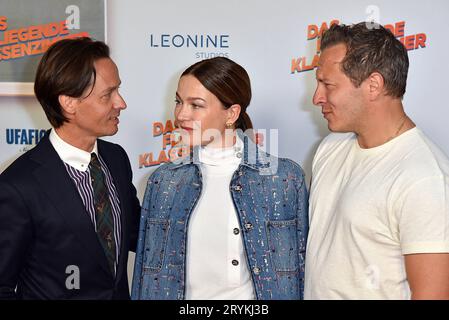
156, 235
283, 242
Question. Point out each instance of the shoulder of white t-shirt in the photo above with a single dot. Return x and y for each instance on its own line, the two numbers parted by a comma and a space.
330, 142
335, 138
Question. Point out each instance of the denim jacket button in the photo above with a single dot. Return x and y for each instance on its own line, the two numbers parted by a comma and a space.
248, 226
256, 270
236, 231
235, 262
240, 173
238, 188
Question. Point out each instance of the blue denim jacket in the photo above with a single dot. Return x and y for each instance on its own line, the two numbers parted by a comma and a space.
271, 202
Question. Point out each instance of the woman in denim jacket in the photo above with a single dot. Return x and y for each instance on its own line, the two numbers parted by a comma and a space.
229, 221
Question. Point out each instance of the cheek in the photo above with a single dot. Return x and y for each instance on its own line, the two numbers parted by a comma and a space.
206, 119
212, 127
207, 122
96, 108
331, 96
337, 100
100, 115
87, 115
176, 112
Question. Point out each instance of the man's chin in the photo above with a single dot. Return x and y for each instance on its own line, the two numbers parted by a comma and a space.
108, 133
335, 129
331, 128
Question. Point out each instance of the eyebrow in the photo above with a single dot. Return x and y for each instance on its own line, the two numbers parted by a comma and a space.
190, 98
322, 78
109, 89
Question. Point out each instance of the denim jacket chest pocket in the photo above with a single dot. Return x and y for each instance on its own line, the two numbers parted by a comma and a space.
283, 242
156, 236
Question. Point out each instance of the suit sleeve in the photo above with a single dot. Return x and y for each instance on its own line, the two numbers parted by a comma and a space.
15, 238
134, 215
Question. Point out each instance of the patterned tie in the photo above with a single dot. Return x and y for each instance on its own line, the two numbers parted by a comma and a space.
103, 211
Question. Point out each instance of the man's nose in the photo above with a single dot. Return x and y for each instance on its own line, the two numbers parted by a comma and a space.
120, 102
319, 97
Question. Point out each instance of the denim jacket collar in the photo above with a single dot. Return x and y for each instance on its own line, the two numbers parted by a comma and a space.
253, 157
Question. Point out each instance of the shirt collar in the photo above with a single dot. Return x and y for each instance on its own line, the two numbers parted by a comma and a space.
74, 157
221, 156
253, 157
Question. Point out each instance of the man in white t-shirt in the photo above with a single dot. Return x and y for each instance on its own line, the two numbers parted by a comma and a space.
379, 202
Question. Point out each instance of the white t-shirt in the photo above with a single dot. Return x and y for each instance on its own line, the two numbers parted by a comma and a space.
217, 267
369, 208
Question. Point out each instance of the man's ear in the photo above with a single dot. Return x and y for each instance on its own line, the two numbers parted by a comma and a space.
375, 86
233, 113
68, 104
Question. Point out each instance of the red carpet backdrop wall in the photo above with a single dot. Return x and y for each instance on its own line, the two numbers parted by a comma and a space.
277, 42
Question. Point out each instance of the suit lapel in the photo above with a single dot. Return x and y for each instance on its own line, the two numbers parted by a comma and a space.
62, 192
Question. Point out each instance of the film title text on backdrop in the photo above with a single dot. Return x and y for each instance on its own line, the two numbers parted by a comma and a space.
170, 150
315, 31
172, 147
31, 40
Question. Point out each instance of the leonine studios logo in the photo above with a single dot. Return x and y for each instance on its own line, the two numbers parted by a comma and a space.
204, 46
315, 31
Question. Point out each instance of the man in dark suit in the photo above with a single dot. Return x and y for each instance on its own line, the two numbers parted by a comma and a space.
68, 209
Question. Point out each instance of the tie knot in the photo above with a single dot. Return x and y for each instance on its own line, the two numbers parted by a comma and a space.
94, 160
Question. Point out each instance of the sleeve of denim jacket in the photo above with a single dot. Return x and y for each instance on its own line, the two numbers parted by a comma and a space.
138, 262
303, 211
303, 220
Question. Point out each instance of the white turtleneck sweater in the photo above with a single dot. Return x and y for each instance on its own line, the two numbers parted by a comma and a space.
216, 262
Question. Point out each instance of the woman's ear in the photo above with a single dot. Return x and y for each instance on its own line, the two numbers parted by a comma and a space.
233, 113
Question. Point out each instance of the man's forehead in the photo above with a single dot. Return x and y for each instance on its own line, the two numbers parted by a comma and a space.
331, 57
106, 68
104, 65
106, 75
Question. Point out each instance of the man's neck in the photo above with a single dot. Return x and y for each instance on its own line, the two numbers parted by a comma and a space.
74, 137
384, 123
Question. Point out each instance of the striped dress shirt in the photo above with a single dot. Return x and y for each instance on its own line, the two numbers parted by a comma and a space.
76, 162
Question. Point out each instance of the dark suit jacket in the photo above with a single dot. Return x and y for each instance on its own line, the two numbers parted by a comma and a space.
45, 229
